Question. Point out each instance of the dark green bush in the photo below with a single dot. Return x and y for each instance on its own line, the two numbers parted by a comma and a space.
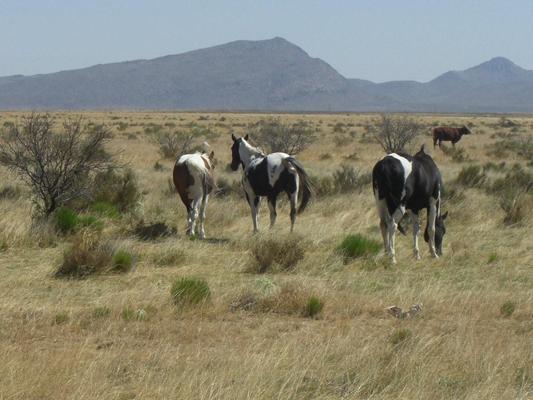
190, 291
355, 246
66, 220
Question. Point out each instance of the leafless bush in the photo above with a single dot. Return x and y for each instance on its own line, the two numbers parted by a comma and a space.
275, 136
395, 133
57, 166
172, 144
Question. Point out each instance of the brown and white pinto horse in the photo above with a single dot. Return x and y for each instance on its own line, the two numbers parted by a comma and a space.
449, 134
194, 180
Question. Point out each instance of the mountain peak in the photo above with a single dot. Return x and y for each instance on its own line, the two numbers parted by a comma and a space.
498, 64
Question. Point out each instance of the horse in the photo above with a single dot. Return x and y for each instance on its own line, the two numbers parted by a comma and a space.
268, 176
446, 133
194, 180
409, 183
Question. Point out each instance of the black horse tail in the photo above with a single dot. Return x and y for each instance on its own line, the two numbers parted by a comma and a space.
306, 186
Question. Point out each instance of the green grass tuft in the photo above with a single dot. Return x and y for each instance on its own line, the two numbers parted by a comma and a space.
314, 307
122, 261
507, 309
190, 291
355, 246
66, 220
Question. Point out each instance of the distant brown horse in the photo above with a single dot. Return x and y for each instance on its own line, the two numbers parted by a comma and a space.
194, 180
449, 134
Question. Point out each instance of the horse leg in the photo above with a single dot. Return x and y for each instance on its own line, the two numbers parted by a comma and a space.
254, 202
416, 230
193, 216
392, 224
272, 208
384, 234
432, 215
203, 207
293, 200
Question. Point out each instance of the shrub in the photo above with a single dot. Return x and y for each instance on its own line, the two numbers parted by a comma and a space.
347, 179
516, 208
314, 307
172, 144
122, 261
117, 187
507, 309
66, 220
396, 133
85, 257
190, 291
355, 246
458, 154
57, 166
471, 176
275, 136
289, 299
276, 253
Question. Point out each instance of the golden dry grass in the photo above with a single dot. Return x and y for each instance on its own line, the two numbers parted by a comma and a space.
121, 337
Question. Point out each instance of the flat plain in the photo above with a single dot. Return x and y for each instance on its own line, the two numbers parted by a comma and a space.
119, 336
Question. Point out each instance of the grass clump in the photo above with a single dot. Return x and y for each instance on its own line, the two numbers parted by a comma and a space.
101, 312
471, 176
508, 308
122, 261
276, 253
355, 246
86, 256
190, 291
170, 257
61, 318
66, 220
105, 209
314, 307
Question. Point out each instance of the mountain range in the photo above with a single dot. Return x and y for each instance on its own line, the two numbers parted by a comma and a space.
265, 75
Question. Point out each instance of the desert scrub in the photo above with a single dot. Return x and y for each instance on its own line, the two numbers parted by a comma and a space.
86, 256
190, 291
291, 299
276, 253
105, 209
355, 246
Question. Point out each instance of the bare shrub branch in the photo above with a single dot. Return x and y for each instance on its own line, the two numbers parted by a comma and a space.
172, 144
275, 136
396, 133
57, 166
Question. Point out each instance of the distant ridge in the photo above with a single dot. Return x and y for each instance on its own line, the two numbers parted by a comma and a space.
269, 75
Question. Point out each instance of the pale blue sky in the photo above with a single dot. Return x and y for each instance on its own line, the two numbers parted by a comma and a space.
369, 39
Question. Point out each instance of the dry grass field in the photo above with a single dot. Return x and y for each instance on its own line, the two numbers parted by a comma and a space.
120, 336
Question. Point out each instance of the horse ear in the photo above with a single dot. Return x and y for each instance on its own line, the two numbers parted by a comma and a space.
246, 137
233, 137
423, 149
444, 216
212, 155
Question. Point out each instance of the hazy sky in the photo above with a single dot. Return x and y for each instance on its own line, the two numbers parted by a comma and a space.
369, 39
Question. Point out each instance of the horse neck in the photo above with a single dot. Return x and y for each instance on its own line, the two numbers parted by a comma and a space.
249, 153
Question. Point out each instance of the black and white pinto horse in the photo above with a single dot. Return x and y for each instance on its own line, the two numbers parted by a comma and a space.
268, 176
409, 183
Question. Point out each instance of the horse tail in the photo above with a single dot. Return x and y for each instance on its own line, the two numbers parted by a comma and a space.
306, 183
